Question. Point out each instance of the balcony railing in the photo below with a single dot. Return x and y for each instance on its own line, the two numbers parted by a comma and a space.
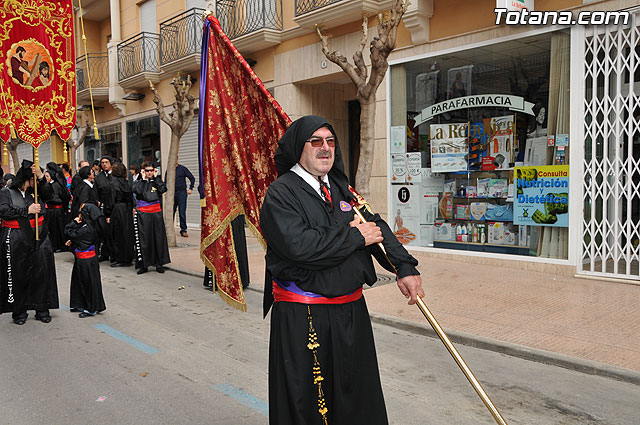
247, 16
94, 65
181, 36
138, 54
304, 6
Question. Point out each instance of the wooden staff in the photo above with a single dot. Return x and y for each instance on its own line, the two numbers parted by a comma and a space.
359, 202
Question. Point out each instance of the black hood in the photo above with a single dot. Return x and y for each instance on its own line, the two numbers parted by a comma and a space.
292, 143
90, 212
56, 173
23, 174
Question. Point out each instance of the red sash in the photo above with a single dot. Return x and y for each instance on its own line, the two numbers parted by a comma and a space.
150, 208
13, 224
54, 206
282, 295
85, 254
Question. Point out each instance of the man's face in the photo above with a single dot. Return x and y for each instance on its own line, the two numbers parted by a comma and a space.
84, 164
319, 160
91, 176
106, 164
21, 54
45, 72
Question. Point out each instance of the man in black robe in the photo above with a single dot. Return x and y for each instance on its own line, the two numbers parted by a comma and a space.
27, 266
76, 179
105, 196
322, 359
57, 206
121, 217
151, 242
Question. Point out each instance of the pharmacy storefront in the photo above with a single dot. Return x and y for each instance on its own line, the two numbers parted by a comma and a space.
524, 147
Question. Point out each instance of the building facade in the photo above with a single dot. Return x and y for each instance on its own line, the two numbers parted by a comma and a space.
473, 118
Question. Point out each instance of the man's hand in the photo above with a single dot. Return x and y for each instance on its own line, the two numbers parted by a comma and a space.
67, 243
34, 209
411, 288
189, 191
37, 171
108, 219
370, 231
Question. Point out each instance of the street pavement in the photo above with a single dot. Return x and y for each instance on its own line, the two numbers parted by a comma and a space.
167, 351
555, 317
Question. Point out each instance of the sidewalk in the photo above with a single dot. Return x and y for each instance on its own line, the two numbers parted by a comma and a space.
560, 319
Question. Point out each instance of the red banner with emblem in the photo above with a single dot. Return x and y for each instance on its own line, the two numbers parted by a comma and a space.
240, 125
37, 62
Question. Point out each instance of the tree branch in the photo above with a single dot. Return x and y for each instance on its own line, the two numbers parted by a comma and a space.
340, 60
160, 107
357, 56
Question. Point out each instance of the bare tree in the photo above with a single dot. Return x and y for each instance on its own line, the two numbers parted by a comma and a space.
380, 48
179, 120
12, 147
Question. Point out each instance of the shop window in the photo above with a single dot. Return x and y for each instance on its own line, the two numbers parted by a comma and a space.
143, 141
479, 148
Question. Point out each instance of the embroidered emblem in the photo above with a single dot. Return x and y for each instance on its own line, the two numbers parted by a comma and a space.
344, 206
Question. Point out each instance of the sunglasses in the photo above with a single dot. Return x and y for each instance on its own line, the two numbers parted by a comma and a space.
149, 171
317, 142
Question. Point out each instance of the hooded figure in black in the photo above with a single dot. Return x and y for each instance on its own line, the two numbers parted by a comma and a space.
121, 217
84, 191
103, 181
84, 232
27, 267
151, 242
57, 206
318, 258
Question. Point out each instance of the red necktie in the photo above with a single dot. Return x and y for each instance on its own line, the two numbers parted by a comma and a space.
325, 192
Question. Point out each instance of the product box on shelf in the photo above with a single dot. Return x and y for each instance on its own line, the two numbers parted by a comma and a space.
483, 188
477, 210
495, 233
462, 211
472, 192
445, 232
524, 235
450, 186
445, 205
498, 188
510, 234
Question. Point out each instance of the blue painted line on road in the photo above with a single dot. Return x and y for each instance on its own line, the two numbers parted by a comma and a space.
63, 307
126, 338
243, 398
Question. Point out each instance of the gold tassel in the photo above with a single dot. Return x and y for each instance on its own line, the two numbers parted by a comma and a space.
95, 131
14, 135
36, 157
6, 154
317, 371
64, 151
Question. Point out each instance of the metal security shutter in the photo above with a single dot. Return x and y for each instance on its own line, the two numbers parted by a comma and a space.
188, 156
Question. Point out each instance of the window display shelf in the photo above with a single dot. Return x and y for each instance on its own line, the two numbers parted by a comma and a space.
482, 247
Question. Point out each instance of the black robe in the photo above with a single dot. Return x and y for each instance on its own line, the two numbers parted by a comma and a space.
313, 245
82, 194
122, 221
56, 211
152, 235
27, 267
86, 284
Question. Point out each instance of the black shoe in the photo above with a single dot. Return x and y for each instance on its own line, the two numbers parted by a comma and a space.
160, 269
142, 270
44, 318
120, 264
86, 314
20, 321
75, 310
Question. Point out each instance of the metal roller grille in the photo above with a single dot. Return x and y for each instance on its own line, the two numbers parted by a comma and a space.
611, 161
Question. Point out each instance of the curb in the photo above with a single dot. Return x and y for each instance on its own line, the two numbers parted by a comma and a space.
588, 367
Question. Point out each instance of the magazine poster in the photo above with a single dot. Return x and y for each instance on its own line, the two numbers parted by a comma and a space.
501, 143
541, 196
426, 89
449, 147
399, 168
405, 220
